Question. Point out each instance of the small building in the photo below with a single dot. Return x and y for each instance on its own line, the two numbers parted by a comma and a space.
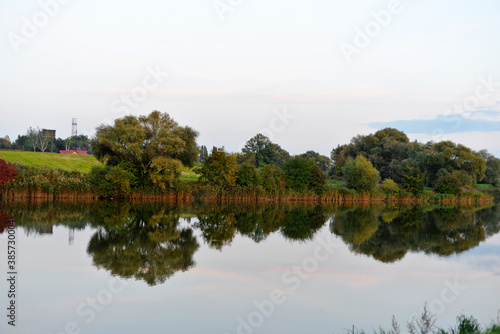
79, 152
50, 135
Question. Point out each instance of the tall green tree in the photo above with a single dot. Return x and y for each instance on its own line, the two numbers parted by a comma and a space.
492, 173
151, 143
247, 176
5, 143
265, 151
323, 162
408, 176
298, 170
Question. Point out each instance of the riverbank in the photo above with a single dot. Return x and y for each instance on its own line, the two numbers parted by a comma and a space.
71, 186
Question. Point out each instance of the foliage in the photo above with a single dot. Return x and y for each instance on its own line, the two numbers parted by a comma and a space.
141, 140
5, 143
111, 181
247, 176
7, 172
390, 187
360, 174
298, 170
387, 149
466, 325
274, 180
165, 172
148, 246
220, 168
492, 173
452, 183
264, 152
423, 324
323, 162
39, 180
318, 180
408, 176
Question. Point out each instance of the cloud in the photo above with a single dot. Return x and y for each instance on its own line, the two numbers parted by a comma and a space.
480, 121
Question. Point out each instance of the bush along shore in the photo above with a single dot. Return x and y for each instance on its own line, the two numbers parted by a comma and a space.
30, 182
154, 158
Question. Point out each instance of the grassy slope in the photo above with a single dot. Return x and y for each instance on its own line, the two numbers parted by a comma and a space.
70, 162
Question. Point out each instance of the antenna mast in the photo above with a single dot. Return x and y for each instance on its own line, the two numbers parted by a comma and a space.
74, 128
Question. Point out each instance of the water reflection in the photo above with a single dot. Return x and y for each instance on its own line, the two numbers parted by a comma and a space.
142, 243
153, 241
388, 235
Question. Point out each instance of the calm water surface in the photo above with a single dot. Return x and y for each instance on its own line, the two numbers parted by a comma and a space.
162, 268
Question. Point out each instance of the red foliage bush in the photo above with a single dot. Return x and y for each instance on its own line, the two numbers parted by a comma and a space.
7, 172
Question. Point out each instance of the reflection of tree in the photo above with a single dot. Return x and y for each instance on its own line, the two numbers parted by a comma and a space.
137, 243
5, 219
357, 226
217, 229
303, 222
257, 221
443, 231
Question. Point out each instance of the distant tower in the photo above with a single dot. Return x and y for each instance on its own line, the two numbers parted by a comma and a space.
74, 129
71, 236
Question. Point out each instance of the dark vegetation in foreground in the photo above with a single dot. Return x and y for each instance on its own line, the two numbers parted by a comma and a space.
143, 158
425, 324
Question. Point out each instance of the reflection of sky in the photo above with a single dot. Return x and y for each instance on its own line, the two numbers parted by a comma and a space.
347, 289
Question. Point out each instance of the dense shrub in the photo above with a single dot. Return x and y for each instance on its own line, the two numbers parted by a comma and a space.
390, 187
452, 183
274, 179
7, 172
247, 176
317, 181
111, 181
360, 174
298, 169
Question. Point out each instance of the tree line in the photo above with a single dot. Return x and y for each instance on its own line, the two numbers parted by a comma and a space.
148, 153
40, 140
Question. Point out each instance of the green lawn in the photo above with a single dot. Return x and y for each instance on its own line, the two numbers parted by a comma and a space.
484, 186
70, 162
188, 175
336, 182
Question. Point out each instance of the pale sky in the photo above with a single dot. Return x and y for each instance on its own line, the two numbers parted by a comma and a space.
234, 64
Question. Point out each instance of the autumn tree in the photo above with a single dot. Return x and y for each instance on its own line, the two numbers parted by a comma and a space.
154, 147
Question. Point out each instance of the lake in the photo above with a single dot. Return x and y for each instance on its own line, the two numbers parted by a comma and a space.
100, 267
